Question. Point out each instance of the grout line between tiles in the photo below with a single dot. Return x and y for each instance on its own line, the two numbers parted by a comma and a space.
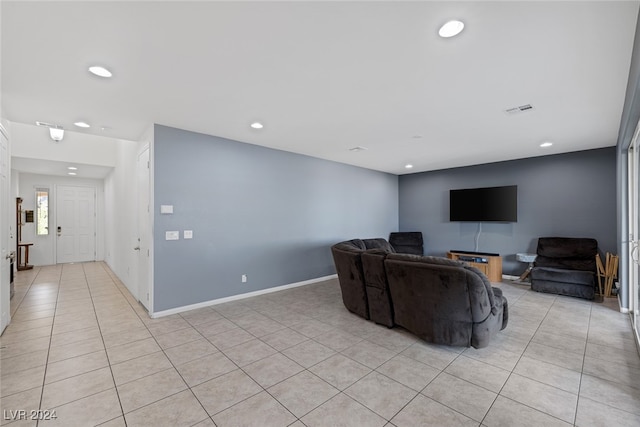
46, 365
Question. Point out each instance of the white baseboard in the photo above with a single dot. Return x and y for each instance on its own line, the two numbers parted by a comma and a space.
622, 309
239, 297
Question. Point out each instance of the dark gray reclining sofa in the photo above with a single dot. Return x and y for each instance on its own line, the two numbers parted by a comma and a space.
440, 300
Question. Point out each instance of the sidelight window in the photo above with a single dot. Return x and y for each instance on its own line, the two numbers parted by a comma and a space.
42, 211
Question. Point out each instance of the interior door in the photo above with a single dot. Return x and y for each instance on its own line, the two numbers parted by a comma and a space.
5, 221
143, 246
75, 224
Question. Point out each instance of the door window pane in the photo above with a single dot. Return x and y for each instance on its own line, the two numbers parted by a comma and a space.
42, 211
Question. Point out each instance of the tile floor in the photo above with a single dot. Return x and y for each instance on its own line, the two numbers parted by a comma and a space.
79, 344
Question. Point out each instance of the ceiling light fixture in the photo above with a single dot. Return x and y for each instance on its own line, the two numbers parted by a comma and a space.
451, 28
56, 133
546, 144
71, 173
257, 125
100, 71
83, 125
408, 166
72, 168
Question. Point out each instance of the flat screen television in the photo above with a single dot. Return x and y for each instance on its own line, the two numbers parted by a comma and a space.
490, 204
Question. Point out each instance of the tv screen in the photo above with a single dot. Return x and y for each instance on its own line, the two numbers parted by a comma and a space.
497, 204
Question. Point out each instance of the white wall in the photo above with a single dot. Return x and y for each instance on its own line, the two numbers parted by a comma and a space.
43, 250
120, 188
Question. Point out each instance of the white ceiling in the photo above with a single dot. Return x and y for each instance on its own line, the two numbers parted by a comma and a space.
324, 77
52, 167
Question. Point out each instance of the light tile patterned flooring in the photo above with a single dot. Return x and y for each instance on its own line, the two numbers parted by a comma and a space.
79, 344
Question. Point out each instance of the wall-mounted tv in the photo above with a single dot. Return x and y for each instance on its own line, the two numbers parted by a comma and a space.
490, 204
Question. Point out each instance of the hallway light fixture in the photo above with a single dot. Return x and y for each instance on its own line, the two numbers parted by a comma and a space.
56, 133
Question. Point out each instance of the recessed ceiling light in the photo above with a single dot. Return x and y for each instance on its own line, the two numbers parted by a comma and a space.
71, 173
451, 28
82, 125
408, 166
546, 144
257, 125
100, 71
72, 168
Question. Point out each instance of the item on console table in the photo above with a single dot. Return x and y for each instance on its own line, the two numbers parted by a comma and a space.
489, 264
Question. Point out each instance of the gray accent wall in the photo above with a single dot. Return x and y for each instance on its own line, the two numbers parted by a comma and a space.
269, 214
567, 195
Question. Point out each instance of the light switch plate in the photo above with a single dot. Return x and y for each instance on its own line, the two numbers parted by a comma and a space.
166, 209
172, 235
188, 234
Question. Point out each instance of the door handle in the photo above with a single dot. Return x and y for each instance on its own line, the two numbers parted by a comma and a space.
59, 231
10, 256
137, 248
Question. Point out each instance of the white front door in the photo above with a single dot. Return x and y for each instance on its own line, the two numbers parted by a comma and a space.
75, 224
143, 246
5, 221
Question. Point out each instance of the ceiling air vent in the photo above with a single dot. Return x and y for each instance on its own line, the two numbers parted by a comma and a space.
45, 124
519, 109
358, 148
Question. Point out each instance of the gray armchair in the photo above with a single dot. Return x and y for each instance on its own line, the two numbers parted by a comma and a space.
565, 266
407, 242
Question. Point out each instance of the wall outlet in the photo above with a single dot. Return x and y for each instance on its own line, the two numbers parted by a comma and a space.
244, 278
